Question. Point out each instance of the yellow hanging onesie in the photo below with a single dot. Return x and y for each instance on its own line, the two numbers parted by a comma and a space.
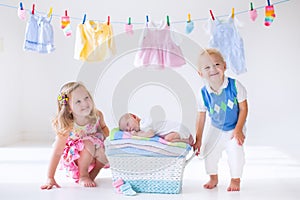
94, 41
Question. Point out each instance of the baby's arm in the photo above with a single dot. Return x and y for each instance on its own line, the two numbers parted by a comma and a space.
58, 149
238, 131
148, 134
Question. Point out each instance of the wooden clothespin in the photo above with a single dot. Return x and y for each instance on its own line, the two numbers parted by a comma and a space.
232, 13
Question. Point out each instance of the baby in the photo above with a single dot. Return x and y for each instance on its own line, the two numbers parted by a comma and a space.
168, 130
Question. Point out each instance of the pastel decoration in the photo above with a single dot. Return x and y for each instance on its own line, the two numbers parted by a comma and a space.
252, 12
189, 27
66, 25
129, 29
269, 15
21, 12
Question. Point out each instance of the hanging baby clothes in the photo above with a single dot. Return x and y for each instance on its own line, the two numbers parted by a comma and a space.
159, 47
39, 34
94, 41
225, 37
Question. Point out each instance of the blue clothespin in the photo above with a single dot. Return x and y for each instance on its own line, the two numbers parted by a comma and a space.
84, 18
21, 6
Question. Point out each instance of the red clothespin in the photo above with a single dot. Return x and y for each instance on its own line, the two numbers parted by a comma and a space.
212, 15
108, 20
66, 13
33, 6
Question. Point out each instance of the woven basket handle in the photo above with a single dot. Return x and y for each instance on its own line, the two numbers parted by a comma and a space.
190, 158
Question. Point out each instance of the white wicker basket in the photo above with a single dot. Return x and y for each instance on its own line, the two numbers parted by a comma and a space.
149, 174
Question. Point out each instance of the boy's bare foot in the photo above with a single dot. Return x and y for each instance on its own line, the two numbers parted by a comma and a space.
86, 182
212, 183
234, 185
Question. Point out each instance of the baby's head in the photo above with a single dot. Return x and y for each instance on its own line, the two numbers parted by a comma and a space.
211, 62
129, 122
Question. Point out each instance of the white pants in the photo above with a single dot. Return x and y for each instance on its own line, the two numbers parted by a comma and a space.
216, 142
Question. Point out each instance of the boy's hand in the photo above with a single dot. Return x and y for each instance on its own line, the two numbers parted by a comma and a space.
196, 147
239, 136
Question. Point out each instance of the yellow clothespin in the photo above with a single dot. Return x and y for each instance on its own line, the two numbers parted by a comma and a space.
189, 17
50, 12
232, 13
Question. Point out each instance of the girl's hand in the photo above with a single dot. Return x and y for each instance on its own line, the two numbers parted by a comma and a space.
49, 185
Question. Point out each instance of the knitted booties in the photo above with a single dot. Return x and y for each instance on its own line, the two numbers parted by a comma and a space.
269, 15
65, 25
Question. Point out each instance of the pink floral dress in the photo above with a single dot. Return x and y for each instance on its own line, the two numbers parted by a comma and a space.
75, 144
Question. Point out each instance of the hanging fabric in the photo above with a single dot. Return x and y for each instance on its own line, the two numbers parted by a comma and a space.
159, 46
39, 33
225, 37
94, 41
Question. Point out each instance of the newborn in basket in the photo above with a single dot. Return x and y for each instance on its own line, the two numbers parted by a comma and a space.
169, 130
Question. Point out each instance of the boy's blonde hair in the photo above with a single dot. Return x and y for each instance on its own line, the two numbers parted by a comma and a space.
64, 120
208, 52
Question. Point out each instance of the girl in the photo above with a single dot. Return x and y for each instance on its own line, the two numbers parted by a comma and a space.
80, 130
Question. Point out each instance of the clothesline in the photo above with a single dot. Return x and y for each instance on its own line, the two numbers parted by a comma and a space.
174, 22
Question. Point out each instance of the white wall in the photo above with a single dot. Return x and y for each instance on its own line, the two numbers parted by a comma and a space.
30, 81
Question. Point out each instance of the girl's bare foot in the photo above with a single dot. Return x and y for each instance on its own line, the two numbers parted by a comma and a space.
86, 182
212, 183
234, 185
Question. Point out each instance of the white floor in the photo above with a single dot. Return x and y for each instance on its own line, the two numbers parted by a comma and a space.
269, 173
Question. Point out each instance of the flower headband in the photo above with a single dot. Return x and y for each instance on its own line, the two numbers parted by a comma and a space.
63, 99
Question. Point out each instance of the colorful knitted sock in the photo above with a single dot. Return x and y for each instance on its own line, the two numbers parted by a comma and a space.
127, 190
65, 25
117, 184
269, 15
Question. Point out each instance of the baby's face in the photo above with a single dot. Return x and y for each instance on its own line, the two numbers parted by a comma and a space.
130, 124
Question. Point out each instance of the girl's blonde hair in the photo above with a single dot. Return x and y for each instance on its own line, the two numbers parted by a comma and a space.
64, 120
